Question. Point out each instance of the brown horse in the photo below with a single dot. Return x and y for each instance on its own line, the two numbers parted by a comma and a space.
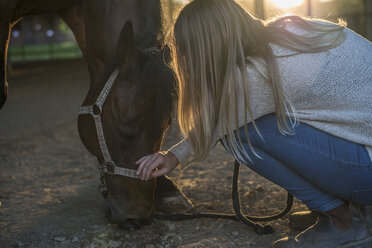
138, 107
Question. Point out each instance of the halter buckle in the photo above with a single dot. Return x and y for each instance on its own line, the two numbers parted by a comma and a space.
110, 167
96, 110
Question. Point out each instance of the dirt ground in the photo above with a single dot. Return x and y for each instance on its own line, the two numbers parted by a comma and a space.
48, 180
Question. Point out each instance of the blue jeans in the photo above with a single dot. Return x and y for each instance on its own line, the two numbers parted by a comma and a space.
320, 169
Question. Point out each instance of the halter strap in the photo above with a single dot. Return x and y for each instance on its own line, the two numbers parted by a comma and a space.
95, 110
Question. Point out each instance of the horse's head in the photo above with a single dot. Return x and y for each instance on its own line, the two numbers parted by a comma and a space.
134, 117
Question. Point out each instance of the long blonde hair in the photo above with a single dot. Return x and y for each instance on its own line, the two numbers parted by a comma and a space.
210, 43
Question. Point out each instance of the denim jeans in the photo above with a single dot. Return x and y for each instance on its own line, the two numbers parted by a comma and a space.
322, 170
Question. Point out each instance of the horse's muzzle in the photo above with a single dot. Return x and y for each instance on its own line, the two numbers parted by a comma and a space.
129, 224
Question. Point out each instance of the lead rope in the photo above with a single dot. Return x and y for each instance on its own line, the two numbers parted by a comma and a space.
238, 216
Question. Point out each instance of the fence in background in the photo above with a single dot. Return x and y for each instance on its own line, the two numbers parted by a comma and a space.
41, 38
40, 52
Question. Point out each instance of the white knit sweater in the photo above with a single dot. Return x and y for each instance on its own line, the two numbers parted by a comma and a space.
331, 91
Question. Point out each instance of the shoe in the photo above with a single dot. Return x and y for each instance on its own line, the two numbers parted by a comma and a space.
324, 235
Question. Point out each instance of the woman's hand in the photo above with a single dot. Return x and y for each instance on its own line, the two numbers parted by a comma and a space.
164, 162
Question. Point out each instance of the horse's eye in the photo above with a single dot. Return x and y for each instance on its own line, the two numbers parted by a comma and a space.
130, 138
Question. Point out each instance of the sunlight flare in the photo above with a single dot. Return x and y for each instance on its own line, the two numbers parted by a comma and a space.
286, 4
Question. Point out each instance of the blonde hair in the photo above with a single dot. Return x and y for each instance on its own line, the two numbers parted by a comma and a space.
210, 43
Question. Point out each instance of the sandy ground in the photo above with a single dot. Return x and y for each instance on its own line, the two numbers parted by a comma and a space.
48, 181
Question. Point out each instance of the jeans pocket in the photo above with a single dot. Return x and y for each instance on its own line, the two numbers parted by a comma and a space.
362, 196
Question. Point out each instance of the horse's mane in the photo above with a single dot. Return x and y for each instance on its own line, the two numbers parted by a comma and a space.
158, 82
150, 17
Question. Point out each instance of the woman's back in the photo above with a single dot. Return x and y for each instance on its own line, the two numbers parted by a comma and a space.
331, 90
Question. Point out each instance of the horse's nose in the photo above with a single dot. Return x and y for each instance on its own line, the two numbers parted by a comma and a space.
129, 224
112, 214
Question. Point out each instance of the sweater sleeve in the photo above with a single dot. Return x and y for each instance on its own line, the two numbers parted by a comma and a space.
183, 152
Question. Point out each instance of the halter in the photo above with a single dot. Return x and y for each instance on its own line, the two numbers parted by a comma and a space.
109, 166
95, 110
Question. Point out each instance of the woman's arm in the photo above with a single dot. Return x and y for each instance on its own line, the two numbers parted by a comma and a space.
164, 161
180, 153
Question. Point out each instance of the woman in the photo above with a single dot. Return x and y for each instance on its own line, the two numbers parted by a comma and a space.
290, 98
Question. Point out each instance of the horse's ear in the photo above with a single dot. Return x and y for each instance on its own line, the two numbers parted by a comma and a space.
126, 45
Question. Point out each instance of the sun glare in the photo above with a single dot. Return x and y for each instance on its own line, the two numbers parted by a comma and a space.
286, 4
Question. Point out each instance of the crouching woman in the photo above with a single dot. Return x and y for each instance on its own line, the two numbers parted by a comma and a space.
290, 98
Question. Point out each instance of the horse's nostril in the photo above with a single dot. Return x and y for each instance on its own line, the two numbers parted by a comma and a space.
104, 194
130, 224
127, 224
146, 222
112, 214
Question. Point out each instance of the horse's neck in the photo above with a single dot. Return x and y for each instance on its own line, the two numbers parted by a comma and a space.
103, 24
105, 21
22, 8
150, 18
